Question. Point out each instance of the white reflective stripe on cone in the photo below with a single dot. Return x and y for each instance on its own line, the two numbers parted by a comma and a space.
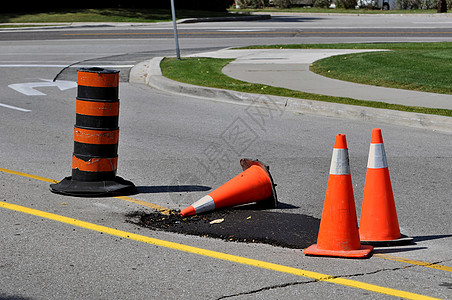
204, 204
377, 157
339, 162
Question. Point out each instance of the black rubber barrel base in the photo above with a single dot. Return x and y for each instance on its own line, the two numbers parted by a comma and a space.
107, 188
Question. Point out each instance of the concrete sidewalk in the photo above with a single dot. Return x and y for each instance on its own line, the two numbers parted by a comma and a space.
290, 69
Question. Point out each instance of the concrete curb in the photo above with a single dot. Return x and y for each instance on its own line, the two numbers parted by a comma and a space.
149, 73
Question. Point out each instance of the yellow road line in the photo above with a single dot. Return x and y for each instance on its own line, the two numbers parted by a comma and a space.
161, 209
215, 254
28, 175
414, 262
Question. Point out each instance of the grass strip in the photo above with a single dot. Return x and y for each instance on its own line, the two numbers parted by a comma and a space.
207, 72
418, 70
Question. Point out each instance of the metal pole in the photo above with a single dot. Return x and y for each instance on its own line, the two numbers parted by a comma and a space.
176, 38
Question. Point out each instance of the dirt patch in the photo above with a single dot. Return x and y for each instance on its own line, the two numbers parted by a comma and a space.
238, 225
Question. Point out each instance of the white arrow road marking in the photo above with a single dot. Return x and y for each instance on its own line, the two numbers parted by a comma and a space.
14, 107
28, 88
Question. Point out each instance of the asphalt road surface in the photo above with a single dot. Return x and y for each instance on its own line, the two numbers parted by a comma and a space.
279, 27
176, 149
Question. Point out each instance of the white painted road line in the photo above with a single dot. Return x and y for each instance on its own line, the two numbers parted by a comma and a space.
14, 107
31, 66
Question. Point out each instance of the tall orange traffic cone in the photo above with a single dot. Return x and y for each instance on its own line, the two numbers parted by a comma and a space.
379, 224
254, 184
338, 233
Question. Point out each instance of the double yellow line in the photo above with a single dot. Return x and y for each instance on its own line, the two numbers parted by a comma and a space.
213, 254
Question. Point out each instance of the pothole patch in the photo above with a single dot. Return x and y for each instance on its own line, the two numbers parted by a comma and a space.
239, 225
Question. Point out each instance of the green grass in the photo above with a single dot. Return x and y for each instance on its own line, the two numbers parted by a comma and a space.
405, 69
207, 72
105, 15
161, 15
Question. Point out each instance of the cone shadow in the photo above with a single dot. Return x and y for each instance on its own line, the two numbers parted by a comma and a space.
397, 250
422, 238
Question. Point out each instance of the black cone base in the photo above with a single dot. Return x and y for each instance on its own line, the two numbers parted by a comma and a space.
272, 201
403, 240
115, 187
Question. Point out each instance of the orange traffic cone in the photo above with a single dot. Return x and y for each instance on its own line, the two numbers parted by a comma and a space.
338, 232
254, 184
379, 224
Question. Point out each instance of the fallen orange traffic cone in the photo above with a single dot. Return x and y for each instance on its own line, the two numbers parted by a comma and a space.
379, 224
254, 184
338, 233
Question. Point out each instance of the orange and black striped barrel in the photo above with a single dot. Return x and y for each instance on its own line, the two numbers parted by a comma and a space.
96, 131
96, 136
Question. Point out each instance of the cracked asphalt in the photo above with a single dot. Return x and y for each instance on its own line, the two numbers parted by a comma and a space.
176, 149
121, 259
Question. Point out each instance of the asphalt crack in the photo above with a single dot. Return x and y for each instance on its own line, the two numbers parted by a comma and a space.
314, 281
267, 288
373, 272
